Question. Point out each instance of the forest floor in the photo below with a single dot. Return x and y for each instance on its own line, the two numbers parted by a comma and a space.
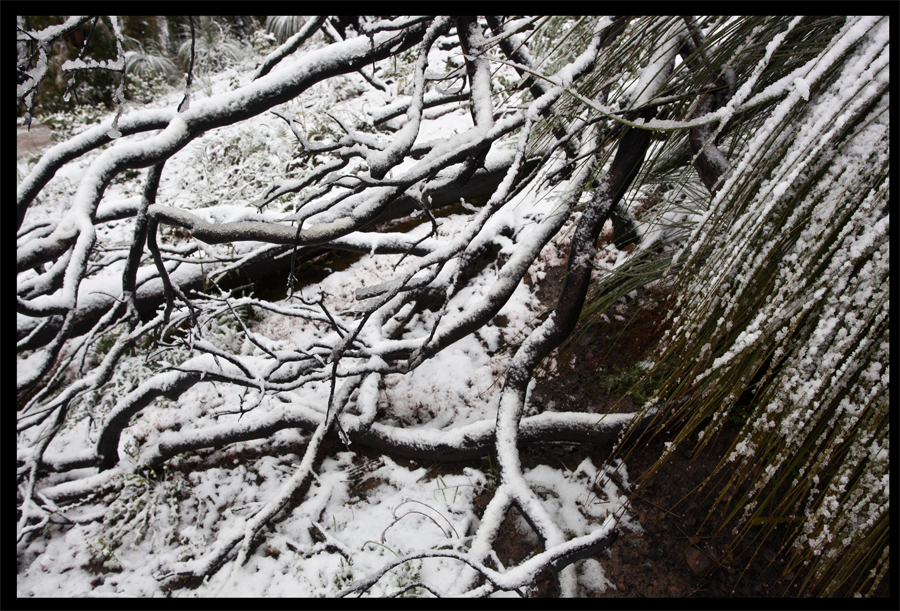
681, 552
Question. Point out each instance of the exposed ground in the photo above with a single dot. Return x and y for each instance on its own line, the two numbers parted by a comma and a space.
28, 142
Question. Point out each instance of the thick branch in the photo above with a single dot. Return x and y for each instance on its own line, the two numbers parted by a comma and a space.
710, 163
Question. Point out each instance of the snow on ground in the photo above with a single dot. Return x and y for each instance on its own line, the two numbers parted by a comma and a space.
359, 513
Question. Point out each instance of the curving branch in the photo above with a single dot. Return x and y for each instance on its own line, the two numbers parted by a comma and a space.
290, 45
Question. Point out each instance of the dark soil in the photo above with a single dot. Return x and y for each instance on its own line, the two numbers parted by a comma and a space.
685, 550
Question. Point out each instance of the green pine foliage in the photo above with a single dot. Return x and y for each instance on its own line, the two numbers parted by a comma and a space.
783, 297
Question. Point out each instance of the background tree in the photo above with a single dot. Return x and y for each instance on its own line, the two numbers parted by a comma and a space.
762, 140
